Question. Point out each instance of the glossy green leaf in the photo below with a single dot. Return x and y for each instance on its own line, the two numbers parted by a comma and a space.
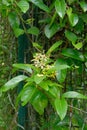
83, 5
54, 46
23, 5
26, 94
25, 67
38, 78
50, 31
61, 107
71, 36
18, 32
33, 30
73, 94
39, 102
61, 75
13, 82
75, 54
73, 18
41, 5
60, 7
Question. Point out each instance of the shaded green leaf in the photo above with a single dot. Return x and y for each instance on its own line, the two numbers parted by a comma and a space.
61, 107
60, 64
84, 17
39, 102
60, 7
72, 94
13, 82
75, 54
23, 5
13, 20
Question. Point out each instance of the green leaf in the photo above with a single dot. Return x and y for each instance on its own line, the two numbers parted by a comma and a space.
25, 67
41, 5
71, 36
13, 82
54, 91
18, 32
39, 78
33, 30
73, 18
44, 84
78, 45
26, 94
36, 45
13, 20
61, 75
39, 102
61, 107
84, 17
60, 64
23, 5
60, 7
75, 54
83, 5
54, 46
72, 94
50, 31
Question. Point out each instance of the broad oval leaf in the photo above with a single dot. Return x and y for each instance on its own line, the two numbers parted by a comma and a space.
18, 32
39, 102
25, 67
26, 94
13, 82
75, 54
33, 30
50, 31
60, 7
61, 75
71, 36
23, 5
73, 94
61, 107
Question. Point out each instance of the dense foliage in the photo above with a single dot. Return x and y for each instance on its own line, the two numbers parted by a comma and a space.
57, 31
